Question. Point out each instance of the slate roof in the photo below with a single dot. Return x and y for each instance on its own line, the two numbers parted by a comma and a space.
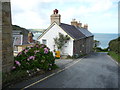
24, 38
72, 31
85, 32
75, 32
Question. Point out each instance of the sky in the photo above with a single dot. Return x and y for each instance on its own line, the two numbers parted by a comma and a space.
100, 15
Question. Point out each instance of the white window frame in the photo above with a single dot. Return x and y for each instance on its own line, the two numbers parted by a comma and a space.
44, 41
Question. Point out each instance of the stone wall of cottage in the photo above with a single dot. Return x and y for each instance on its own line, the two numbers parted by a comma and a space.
89, 44
83, 46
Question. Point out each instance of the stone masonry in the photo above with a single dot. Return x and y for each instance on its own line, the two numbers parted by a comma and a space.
6, 45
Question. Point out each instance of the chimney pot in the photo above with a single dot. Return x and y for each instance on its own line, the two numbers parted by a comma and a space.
74, 23
30, 37
86, 26
79, 24
55, 17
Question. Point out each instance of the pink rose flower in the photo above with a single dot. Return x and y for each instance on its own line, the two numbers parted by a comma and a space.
20, 53
36, 51
18, 63
31, 57
25, 51
37, 45
13, 67
46, 50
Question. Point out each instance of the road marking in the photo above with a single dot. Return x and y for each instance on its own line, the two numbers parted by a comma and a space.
51, 74
112, 59
38, 81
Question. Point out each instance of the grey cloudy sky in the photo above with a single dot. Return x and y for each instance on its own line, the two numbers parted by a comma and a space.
100, 15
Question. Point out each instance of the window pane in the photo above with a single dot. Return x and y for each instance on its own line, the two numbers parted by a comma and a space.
44, 41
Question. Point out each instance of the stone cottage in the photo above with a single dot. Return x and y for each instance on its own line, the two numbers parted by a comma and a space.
81, 40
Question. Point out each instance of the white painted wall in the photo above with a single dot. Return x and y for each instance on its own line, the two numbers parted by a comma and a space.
53, 33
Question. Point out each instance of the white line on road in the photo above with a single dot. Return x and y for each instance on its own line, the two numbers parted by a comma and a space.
112, 59
38, 81
51, 75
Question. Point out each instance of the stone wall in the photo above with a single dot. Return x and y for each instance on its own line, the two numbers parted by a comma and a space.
83, 46
89, 44
6, 42
0, 45
79, 46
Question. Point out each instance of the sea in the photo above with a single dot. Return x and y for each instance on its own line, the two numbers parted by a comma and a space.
104, 38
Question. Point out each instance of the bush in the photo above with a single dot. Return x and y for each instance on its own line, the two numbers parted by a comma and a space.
69, 57
99, 49
114, 45
35, 57
114, 55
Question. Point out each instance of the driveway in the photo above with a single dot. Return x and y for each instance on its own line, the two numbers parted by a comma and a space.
97, 70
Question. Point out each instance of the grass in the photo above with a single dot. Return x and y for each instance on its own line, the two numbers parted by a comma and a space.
114, 55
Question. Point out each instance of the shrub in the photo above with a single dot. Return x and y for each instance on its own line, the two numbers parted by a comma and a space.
69, 57
98, 49
105, 49
114, 45
35, 57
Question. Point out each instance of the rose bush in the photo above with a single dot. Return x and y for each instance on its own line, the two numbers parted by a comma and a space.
36, 57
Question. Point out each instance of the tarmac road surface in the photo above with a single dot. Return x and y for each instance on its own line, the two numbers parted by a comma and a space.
97, 70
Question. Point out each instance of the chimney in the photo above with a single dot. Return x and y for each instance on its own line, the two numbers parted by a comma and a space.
80, 25
85, 26
74, 23
55, 17
30, 37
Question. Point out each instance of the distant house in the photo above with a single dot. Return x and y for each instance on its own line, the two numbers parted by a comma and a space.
21, 39
81, 40
36, 32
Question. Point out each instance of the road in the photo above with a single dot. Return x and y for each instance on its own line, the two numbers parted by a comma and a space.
97, 70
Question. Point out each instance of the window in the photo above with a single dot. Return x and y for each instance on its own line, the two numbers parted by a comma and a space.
44, 41
17, 39
15, 48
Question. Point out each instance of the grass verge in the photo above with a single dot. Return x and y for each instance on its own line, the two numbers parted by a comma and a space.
114, 56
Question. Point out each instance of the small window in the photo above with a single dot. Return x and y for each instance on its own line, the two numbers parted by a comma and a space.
44, 41
15, 48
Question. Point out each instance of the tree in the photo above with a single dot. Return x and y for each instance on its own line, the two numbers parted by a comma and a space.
96, 43
61, 40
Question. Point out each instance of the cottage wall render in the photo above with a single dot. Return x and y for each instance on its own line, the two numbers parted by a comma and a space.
82, 39
52, 33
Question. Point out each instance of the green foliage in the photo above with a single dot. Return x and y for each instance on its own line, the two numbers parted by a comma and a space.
57, 57
38, 56
69, 57
13, 76
114, 45
99, 49
23, 30
61, 40
114, 55
96, 43
16, 27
